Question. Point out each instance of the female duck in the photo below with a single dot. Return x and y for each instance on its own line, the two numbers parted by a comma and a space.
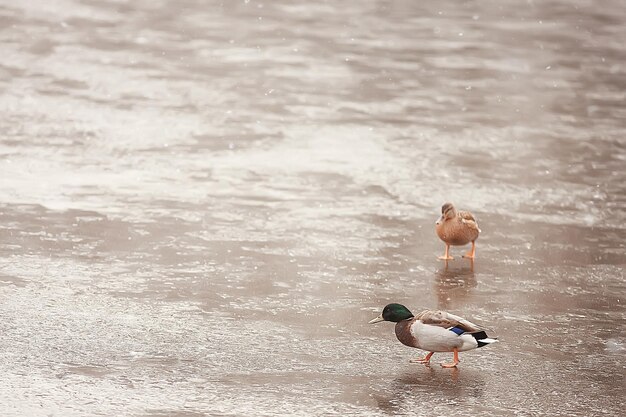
434, 331
457, 228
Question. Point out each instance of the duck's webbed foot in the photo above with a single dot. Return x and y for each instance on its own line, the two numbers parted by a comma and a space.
455, 360
425, 360
446, 256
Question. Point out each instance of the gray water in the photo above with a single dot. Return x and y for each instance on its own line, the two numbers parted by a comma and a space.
202, 204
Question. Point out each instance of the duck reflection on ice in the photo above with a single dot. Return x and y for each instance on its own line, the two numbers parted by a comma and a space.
454, 284
429, 384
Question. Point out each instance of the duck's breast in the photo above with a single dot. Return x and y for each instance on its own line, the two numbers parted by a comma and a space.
440, 228
455, 232
404, 334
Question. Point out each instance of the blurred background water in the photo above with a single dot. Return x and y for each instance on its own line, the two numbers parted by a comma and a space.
202, 204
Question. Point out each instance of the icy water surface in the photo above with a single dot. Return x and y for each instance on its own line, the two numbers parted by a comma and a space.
202, 204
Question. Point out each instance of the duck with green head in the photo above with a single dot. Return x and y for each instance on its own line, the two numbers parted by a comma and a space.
434, 331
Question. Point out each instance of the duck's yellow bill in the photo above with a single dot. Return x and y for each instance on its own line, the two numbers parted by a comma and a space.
377, 319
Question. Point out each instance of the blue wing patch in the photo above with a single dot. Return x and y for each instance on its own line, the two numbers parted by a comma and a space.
457, 330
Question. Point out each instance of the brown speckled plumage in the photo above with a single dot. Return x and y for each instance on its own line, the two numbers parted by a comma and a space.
457, 227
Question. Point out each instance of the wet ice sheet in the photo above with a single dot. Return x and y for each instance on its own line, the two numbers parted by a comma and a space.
203, 205
94, 349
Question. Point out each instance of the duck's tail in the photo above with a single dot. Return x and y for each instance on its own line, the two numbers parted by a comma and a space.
482, 339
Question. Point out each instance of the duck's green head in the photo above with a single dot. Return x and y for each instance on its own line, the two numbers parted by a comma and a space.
393, 312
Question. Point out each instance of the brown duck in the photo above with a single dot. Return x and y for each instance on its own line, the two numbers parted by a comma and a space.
457, 228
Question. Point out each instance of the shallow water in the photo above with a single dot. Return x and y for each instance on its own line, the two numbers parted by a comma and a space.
202, 205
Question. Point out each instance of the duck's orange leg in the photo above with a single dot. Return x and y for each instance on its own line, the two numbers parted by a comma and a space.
425, 360
446, 256
471, 252
455, 361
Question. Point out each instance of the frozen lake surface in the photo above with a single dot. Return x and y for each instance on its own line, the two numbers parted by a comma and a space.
202, 204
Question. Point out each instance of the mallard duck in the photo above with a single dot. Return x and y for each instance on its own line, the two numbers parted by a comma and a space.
434, 331
457, 228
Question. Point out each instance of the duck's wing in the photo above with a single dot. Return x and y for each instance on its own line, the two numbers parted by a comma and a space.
468, 219
447, 320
